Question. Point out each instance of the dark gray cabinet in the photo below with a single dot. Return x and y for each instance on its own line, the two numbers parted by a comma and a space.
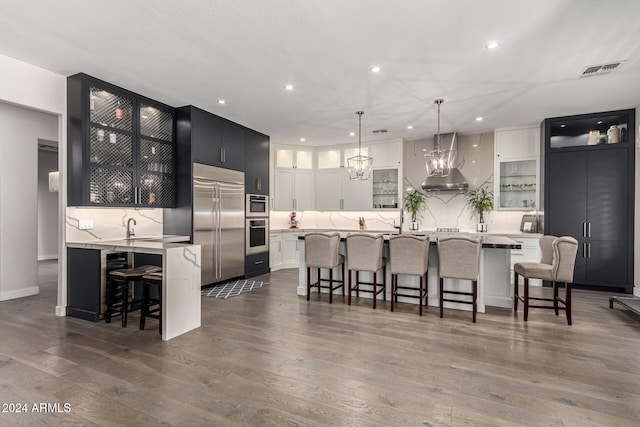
121, 147
215, 141
257, 163
589, 195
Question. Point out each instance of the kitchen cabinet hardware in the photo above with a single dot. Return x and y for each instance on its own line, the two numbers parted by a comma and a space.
588, 229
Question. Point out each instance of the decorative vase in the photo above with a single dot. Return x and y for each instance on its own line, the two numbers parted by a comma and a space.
481, 227
414, 225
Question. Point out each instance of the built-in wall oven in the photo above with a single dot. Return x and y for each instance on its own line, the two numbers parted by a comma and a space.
257, 238
257, 205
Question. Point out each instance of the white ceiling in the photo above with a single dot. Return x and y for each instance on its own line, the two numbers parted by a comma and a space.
245, 51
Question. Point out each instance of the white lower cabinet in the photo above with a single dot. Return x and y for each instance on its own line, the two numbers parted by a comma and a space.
290, 249
530, 252
275, 250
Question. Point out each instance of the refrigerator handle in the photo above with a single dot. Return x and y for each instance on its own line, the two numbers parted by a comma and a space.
219, 232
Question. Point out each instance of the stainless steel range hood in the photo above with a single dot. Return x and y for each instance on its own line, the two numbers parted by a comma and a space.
452, 179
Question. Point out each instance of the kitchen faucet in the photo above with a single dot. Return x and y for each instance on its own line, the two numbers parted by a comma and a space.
130, 232
399, 227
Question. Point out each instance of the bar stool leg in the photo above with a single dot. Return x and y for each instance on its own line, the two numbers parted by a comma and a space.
526, 299
357, 284
515, 292
308, 283
145, 302
426, 289
567, 287
555, 297
394, 281
330, 286
475, 299
125, 302
375, 288
441, 297
318, 283
421, 295
109, 298
342, 277
349, 297
384, 283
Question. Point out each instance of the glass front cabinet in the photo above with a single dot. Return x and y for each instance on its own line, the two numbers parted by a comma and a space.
121, 147
385, 188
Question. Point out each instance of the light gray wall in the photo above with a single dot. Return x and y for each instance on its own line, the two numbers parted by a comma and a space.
47, 207
449, 209
20, 129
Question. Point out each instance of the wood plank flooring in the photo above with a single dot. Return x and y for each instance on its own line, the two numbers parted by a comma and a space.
270, 358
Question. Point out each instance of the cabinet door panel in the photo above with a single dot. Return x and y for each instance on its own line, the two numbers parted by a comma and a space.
233, 146
328, 190
517, 143
303, 190
607, 263
283, 189
567, 194
356, 194
256, 163
207, 137
607, 211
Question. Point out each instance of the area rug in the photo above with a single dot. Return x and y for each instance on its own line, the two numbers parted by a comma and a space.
232, 289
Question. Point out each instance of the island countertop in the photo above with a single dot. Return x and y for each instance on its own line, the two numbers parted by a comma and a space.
488, 241
149, 244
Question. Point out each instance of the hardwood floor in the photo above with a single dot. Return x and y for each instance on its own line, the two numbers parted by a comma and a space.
270, 358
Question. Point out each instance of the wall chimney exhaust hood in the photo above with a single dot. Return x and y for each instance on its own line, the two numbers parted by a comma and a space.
452, 179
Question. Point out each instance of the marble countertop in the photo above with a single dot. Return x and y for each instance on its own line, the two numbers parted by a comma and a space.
488, 241
144, 244
418, 233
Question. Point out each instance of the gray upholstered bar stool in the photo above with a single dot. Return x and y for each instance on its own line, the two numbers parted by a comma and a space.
321, 251
459, 258
118, 289
558, 257
364, 253
409, 255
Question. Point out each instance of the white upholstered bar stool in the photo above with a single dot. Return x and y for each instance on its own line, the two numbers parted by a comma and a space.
409, 255
321, 251
459, 258
558, 257
364, 253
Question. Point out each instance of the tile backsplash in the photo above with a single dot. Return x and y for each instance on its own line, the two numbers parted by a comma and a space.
111, 223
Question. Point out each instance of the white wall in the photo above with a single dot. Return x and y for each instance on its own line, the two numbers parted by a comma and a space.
32, 87
47, 207
19, 132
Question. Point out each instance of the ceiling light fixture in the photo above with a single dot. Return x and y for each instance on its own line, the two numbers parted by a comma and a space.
303, 139
359, 166
438, 160
288, 87
492, 45
221, 101
352, 134
375, 69
479, 119
410, 127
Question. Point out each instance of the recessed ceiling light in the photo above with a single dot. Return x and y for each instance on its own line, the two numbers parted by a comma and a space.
288, 87
410, 127
479, 119
352, 134
475, 145
221, 101
492, 45
473, 161
303, 139
599, 122
563, 125
375, 69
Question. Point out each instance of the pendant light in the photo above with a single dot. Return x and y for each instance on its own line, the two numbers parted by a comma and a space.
438, 160
359, 166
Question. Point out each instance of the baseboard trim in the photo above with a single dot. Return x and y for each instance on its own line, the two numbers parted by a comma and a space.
47, 257
61, 311
19, 293
636, 291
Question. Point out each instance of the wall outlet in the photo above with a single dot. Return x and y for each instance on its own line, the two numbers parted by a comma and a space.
85, 224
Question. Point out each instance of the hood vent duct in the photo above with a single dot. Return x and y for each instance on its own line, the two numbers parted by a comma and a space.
452, 180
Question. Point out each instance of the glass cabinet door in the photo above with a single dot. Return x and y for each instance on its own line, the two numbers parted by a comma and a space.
385, 188
156, 157
518, 185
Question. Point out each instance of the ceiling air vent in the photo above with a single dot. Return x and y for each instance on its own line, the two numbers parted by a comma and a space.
380, 131
600, 70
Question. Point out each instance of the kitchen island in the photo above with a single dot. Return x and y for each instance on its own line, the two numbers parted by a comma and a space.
494, 286
181, 276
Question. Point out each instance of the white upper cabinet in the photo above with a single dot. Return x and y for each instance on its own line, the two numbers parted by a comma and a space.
518, 142
386, 154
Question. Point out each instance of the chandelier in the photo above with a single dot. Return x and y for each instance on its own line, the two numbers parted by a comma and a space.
438, 160
359, 166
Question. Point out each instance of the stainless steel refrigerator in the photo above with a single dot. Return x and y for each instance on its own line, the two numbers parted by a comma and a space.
218, 221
